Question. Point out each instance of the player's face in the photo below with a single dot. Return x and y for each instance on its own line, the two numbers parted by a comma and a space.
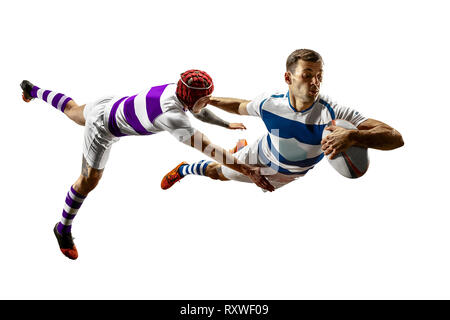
305, 82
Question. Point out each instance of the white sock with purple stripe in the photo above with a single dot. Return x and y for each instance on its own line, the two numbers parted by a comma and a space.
197, 168
74, 200
57, 100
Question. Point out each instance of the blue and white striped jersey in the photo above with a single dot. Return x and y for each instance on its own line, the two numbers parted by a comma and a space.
292, 144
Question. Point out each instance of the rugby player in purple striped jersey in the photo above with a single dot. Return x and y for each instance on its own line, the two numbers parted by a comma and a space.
157, 109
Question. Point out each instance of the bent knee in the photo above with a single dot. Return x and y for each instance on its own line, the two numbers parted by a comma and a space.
93, 177
87, 183
75, 112
214, 171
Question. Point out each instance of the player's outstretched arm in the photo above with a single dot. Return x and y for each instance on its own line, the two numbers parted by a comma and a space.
200, 142
370, 134
232, 105
377, 135
208, 116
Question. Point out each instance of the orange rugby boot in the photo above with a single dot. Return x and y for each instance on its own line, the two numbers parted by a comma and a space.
239, 145
173, 176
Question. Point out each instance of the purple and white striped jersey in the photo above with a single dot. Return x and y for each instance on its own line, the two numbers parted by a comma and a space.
150, 111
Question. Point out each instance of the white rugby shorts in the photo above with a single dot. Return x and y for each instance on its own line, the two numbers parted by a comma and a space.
249, 155
97, 139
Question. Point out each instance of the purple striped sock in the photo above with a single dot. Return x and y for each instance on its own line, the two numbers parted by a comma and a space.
74, 200
57, 100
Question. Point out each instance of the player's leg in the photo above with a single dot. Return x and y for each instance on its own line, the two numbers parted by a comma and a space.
78, 192
205, 168
214, 171
180, 171
96, 150
217, 171
57, 100
75, 112
88, 179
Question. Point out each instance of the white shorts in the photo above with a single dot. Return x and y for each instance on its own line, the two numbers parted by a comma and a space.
97, 139
249, 155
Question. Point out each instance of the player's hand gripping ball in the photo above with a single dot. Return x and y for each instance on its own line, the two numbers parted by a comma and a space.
353, 162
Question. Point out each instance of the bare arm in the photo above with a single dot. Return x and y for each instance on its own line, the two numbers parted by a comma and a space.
370, 134
232, 105
208, 116
200, 142
377, 135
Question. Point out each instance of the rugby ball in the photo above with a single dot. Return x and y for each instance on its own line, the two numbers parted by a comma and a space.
354, 162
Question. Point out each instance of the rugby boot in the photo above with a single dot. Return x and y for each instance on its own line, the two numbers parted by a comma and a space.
172, 177
65, 242
26, 88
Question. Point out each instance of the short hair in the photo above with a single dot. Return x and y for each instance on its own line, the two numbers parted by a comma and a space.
301, 54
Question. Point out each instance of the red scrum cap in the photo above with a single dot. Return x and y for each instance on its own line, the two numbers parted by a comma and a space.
193, 85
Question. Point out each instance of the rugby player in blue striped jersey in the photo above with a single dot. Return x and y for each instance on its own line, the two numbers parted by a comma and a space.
295, 121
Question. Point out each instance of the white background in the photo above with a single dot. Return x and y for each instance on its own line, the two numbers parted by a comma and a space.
383, 236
